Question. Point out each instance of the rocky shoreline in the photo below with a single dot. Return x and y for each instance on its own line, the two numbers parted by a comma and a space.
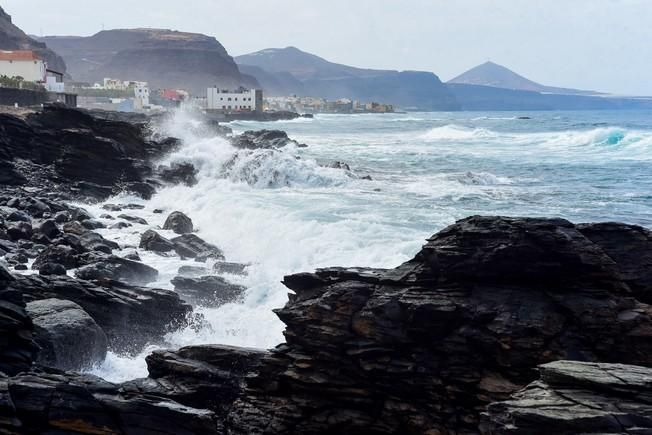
497, 326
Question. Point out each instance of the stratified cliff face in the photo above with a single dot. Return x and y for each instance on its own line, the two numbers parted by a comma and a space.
12, 38
164, 58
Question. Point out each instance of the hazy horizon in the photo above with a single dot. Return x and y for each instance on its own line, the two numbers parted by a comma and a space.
584, 44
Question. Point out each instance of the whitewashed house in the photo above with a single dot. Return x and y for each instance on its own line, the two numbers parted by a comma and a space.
22, 63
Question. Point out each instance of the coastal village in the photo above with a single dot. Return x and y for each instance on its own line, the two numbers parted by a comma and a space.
26, 79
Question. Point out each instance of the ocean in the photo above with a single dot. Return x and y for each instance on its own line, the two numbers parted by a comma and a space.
410, 175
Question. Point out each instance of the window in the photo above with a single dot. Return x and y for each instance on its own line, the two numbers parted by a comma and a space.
229, 100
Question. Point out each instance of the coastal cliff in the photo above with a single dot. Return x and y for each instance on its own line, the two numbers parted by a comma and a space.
163, 58
498, 325
12, 38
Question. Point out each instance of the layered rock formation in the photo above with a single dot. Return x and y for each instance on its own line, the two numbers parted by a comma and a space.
59, 145
577, 397
424, 348
164, 58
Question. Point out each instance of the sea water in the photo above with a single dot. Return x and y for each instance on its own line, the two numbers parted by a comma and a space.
288, 211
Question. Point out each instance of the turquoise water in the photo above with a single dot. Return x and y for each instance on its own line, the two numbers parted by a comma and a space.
284, 212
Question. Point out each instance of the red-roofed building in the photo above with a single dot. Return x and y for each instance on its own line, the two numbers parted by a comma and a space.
22, 63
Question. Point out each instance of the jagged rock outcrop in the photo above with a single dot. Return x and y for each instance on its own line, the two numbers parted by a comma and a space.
262, 139
54, 402
425, 347
58, 145
577, 397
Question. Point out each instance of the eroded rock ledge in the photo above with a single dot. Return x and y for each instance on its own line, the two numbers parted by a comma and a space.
424, 348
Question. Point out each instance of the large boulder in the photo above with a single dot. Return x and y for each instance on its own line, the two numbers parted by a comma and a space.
150, 240
192, 246
577, 397
179, 223
69, 338
59, 254
208, 291
262, 139
119, 269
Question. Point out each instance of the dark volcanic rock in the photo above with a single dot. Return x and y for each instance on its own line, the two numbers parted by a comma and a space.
67, 403
90, 241
118, 269
208, 376
191, 246
178, 173
630, 246
92, 224
578, 397
49, 229
20, 231
179, 223
262, 139
59, 254
207, 290
150, 240
17, 348
130, 316
69, 338
52, 269
85, 156
425, 347
133, 219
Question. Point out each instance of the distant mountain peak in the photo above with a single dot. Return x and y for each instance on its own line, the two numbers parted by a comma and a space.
498, 76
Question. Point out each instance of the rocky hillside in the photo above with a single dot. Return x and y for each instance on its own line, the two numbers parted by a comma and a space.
12, 38
164, 58
286, 71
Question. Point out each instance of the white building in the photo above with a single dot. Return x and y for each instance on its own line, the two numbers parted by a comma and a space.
22, 63
242, 100
141, 92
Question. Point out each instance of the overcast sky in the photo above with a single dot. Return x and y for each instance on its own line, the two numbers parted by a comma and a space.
590, 44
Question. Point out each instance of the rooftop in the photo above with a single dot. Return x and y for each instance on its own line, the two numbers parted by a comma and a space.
18, 55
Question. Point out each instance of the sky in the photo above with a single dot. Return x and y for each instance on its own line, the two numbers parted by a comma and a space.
603, 45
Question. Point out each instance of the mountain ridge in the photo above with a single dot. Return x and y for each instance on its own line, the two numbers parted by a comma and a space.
165, 58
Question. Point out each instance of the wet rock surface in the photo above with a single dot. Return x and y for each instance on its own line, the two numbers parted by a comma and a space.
179, 223
262, 139
68, 336
210, 291
577, 397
